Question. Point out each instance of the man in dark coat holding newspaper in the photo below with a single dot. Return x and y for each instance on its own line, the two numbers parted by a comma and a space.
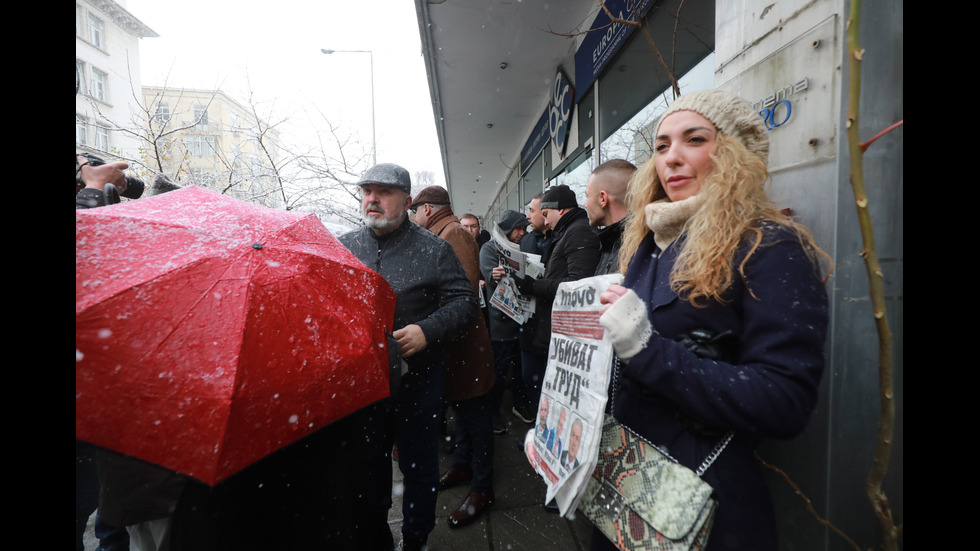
504, 330
435, 302
573, 255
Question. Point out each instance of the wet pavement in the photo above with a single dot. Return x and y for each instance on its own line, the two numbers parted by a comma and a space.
516, 521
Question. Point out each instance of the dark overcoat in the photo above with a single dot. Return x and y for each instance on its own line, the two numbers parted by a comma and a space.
573, 255
682, 402
470, 368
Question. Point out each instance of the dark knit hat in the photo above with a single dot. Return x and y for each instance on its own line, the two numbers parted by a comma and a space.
433, 195
387, 174
559, 197
511, 219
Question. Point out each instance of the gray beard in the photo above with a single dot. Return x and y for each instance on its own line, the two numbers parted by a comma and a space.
382, 225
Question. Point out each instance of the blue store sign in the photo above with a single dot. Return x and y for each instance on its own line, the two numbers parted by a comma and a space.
535, 143
777, 115
560, 112
604, 39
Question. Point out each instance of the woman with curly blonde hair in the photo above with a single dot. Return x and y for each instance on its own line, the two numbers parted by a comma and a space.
721, 319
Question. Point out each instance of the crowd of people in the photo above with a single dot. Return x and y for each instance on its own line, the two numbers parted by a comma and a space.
703, 251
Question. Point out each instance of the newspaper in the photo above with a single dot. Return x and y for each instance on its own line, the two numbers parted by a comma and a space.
563, 447
506, 297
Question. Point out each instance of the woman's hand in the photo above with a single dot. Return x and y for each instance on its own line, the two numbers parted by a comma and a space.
624, 317
610, 296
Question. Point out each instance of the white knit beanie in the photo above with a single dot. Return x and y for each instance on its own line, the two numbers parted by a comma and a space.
731, 115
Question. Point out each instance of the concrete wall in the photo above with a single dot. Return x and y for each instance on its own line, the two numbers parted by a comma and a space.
796, 50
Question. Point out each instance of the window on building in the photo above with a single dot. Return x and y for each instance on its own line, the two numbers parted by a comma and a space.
633, 140
164, 146
576, 175
162, 114
235, 128
99, 80
96, 31
201, 115
81, 131
532, 183
102, 138
80, 75
202, 177
79, 18
201, 146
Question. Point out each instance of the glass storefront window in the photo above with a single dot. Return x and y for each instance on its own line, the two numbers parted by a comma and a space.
576, 176
533, 180
633, 140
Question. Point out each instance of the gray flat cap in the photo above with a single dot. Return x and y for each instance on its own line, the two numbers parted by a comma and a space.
387, 174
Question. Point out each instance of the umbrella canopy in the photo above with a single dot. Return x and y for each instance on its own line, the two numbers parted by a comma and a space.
210, 332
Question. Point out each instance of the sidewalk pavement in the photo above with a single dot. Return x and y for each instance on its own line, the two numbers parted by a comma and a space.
517, 520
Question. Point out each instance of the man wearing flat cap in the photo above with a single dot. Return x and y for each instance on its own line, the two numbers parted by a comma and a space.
470, 375
573, 255
435, 303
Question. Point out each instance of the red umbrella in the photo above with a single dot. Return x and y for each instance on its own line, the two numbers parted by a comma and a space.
210, 332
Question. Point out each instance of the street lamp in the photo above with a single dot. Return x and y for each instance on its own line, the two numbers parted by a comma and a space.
374, 141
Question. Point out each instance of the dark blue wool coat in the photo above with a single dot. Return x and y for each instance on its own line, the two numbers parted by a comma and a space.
778, 313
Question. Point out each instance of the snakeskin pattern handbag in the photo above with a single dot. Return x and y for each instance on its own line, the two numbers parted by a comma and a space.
642, 499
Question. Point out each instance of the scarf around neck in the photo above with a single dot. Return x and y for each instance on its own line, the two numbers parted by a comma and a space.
667, 219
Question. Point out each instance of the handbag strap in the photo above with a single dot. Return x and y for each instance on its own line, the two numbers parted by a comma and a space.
708, 461
720, 447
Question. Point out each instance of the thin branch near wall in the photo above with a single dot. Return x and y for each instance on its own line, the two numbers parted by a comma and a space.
809, 504
667, 67
653, 44
876, 286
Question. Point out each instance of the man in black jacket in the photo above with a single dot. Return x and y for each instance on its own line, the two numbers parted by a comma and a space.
605, 201
435, 302
573, 255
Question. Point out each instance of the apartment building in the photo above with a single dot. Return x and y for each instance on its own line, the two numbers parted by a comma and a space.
206, 138
107, 71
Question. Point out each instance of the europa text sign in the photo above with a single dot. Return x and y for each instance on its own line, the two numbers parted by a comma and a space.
604, 39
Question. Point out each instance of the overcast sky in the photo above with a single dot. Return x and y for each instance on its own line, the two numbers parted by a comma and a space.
273, 49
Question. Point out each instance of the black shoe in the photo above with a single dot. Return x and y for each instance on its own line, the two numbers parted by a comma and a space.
551, 506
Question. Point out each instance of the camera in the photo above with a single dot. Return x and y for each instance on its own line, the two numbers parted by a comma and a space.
134, 186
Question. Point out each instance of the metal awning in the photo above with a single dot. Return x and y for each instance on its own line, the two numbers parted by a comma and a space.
491, 66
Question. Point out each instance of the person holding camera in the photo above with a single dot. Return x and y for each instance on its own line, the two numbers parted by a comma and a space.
91, 179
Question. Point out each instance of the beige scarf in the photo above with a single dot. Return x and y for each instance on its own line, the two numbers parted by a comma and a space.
667, 219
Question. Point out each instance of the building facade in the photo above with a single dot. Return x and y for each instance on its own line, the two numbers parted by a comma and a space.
107, 60
206, 138
538, 94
